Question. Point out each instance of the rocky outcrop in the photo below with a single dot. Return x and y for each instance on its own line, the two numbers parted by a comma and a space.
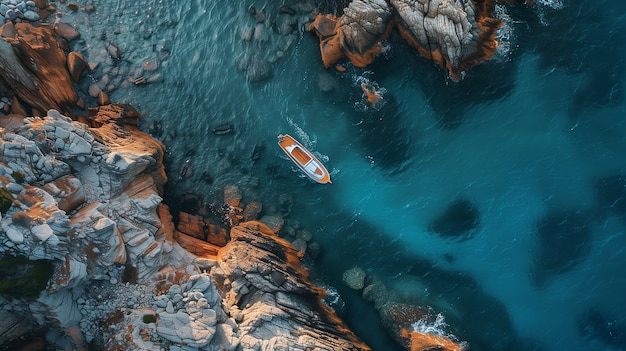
87, 198
406, 315
34, 65
270, 296
255, 296
356, 35
415, 325
455, 34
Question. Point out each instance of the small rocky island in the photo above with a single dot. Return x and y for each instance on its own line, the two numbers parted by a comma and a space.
455, 34
82, 218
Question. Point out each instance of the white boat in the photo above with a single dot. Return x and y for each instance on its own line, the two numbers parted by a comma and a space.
304, 159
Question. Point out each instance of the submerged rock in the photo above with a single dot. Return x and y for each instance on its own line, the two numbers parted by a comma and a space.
459, 219
563, 241
611, 193
76, 64
354, 278
596, 325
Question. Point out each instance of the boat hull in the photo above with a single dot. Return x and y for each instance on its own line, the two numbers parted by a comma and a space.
304, 159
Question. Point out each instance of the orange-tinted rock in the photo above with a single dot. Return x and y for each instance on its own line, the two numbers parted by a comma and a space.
16, 107
357, 35
196, 246
192, 225
258, 266
80, 103
8, 30
34, 66
75, 65
372, 95
427, 342
66, 31
41, 4
232, 195
11, 122
453, 33
252, 211
103, 98
68, 191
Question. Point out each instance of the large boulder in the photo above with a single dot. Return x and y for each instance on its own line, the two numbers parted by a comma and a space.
35, 67
356, 35
456, 34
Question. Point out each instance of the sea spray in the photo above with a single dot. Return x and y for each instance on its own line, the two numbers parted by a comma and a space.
437, 327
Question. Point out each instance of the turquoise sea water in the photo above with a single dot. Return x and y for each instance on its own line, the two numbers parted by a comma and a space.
534, 139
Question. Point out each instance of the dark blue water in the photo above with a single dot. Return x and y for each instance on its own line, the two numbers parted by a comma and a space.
532, 142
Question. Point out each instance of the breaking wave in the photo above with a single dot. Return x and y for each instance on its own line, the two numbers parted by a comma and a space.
438, 327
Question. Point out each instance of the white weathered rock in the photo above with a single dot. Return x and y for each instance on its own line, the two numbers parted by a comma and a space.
42, 232
14, 235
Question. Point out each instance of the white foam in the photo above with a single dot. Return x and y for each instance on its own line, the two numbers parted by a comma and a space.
505, 35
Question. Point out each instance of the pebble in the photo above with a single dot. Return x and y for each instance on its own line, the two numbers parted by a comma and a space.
31, 16
19, 11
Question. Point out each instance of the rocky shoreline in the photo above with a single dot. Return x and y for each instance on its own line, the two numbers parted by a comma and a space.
83, 190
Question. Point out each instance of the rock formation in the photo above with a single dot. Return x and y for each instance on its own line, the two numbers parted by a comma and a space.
455, 34
415, 325
86, 195
90, 201
269, 294
34, 65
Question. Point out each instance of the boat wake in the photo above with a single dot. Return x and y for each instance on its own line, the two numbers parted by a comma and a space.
303, 137
306, 140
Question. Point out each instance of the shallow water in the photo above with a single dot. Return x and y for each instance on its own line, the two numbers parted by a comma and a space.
532, 134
